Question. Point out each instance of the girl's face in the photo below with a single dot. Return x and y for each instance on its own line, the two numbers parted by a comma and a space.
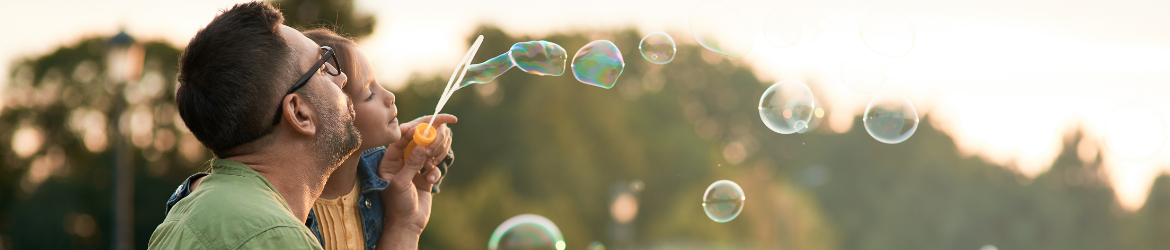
377, 116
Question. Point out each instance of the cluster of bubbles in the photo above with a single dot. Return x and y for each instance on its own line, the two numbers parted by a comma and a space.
598, 63
789, 107
527, 231
723, 201
786, 107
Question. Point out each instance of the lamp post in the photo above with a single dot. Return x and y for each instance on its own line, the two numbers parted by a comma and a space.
124, 65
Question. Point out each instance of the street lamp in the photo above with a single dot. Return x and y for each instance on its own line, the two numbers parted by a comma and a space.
124, 65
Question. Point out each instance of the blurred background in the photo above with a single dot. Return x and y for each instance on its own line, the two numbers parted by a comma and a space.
1016, 99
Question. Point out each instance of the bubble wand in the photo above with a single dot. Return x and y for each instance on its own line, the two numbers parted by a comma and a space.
422, 133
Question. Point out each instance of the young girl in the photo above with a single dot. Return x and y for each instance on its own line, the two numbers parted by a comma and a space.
353, 212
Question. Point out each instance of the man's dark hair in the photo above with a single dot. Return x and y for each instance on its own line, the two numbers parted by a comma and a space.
231, 76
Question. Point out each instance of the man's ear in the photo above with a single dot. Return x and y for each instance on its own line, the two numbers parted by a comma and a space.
297, 112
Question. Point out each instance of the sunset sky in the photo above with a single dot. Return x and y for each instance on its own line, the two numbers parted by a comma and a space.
1006, 78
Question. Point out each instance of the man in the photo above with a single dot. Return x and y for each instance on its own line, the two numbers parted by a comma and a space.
260, 96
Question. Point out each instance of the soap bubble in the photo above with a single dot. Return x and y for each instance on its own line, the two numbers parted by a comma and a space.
818, 115
787, 107
890, 118
595, 245
863, 74
598, 63
539, 57
488, 70
1135, 131
888, 32
723, 201
721, 29
783, 27
527, 231
657, 47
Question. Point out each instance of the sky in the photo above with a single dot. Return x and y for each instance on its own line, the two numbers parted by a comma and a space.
1007, 78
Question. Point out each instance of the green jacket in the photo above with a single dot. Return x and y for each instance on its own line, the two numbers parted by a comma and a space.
233, 208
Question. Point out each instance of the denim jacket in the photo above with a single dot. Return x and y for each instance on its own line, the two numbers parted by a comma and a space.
369, 202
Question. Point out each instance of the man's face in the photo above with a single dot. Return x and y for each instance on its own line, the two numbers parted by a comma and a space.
336, 136
306, 53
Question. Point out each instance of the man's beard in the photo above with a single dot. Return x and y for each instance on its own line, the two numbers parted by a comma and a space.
338, 138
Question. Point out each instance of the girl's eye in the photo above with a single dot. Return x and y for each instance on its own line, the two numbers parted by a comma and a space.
371, 96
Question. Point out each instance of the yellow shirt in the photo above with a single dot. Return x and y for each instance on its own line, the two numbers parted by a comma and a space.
340, 222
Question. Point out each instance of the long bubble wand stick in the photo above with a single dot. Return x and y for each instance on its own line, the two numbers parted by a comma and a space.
421, 132
460, 69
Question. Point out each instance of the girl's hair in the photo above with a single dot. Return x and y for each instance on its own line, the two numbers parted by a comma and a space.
343, 49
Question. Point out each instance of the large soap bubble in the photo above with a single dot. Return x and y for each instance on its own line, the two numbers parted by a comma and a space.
787, 106
890, 118
527, 231
539, 57
723, 201
888, 32
598, 63
721, 29
657, 47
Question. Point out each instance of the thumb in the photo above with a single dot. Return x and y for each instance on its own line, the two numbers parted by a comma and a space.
414, 163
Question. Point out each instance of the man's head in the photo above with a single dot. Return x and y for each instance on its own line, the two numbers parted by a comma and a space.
233, 78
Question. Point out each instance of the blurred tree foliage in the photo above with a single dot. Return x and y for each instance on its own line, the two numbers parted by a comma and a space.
555, 147
339, 15
58, 195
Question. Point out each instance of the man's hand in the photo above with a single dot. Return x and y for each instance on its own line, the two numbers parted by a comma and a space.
407, 200
442, 142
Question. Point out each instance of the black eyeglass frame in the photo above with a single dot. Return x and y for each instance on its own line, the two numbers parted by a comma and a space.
308, 75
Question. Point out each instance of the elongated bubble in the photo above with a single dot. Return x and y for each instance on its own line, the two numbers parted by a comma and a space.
527, 231
890, 118
539, 57
487, 71
598, 63
723, 201
720, 28
787, 106
657, 47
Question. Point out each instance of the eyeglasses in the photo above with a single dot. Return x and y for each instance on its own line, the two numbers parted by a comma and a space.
326, 54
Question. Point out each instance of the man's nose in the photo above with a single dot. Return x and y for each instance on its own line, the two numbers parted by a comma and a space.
341, 80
